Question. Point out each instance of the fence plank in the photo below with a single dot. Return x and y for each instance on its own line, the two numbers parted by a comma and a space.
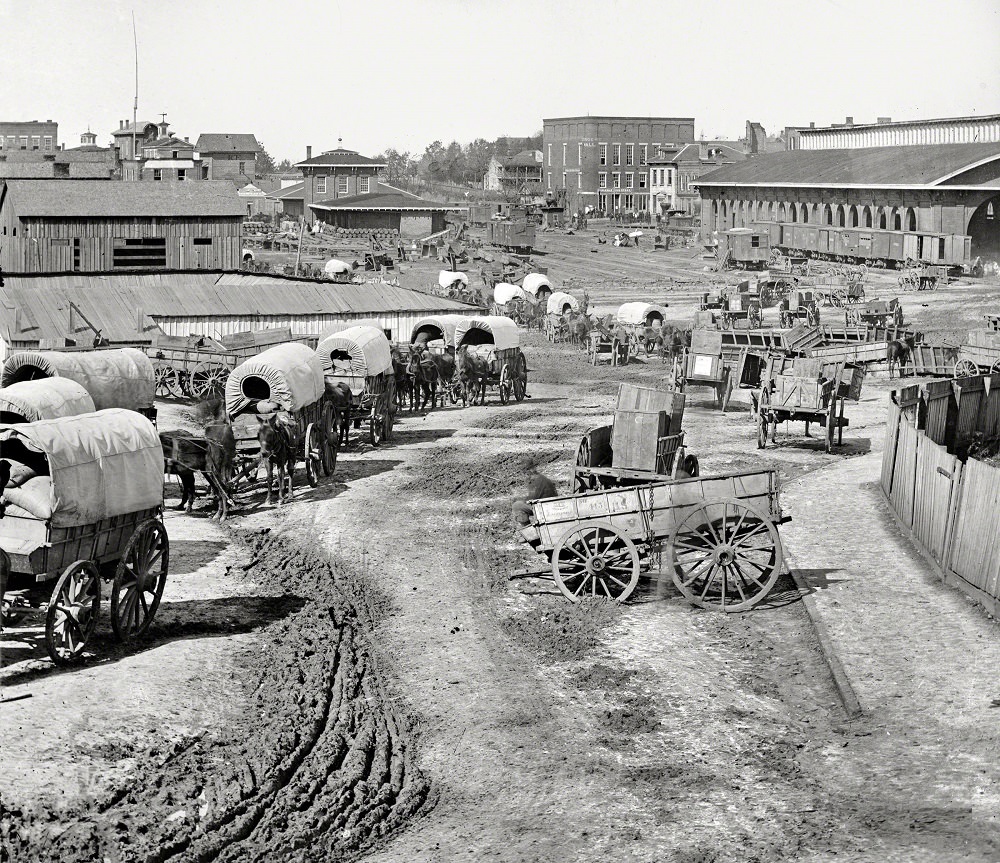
889, 452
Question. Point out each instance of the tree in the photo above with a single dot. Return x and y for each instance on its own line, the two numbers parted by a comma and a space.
396, 165
265, 164
477, 158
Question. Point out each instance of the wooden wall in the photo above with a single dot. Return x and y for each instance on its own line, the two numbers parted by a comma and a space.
32, 250
950, 507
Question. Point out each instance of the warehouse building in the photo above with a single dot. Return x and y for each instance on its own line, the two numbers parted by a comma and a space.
885, 132
87, 226
53, 311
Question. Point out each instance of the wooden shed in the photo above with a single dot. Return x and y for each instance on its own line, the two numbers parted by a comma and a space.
109, 226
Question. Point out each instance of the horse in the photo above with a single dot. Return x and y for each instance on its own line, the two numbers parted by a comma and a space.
672, 341
472, 371
580, 330
278, 438
897, 353
404, 383
340, 397
426, 369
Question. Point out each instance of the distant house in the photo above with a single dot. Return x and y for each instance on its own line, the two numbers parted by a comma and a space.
87, 226
673, 171
83, 163
29, 135
159, 155
228, 156
491, 179
255, 200
522, 173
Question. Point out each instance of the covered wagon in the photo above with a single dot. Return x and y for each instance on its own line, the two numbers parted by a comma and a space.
288, 378
437, 333
537, 285
361, 358
119, 378
82, 504
642, 322
44, 399
511, 301
452, 279
498, 341
559, 303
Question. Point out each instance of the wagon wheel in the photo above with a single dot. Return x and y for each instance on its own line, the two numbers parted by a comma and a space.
995, 368
376, 428
329, 433
595, 559
966, 369
521, 379
208, 380
139, 579
167, 381
763, 413
812, 316
727, 321
839, 298
649, 346
505, 386
72, 613
584, 482
313, 453
725, 555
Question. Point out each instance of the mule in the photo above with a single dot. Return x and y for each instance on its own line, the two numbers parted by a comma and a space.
427, 370
472, 371
340, 397
278, 438
897, 353
212, 455
403, 381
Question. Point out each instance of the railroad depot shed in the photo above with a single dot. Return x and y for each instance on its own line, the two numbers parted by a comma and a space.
49, 226
52, 311
389, 207
937, 188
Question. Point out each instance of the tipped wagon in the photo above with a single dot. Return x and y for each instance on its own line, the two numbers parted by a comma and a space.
290, 378
499, 340
117, 378
361, 358
83, 505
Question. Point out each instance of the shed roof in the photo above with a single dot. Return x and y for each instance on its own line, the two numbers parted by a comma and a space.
224, 142
379, 201
868, 167
290, 193
526, 158
83, 198
340, 158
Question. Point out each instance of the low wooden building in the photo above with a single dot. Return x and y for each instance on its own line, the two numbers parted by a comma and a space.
51, 226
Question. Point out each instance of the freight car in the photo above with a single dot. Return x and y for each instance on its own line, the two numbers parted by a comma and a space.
512, 235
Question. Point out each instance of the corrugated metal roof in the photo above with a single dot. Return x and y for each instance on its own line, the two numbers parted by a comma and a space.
83, 198
113, 302
218, 142
924, 165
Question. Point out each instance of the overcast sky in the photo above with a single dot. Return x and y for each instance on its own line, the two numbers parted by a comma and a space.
387, 73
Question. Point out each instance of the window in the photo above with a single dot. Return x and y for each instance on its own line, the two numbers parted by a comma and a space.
204, 172
989, 211
616, 153
47, 142
182, 173
629, 154
157, 174
243, 167
579, 154
602, 180
145, 253
203, 241
643, 152
642, 179
174, 155
363, 185
36, 142
76, 253
629, 180
629, 202
755, 241
11, 142
548, 180
564, 156
670, 176
321, 185
341, 185
24, 142
549, 148
564, 180
602, 154
616, 180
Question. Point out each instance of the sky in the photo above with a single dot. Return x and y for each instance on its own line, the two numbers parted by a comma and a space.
388, 73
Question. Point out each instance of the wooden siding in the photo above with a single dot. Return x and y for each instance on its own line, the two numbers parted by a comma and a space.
33, 249
950, 509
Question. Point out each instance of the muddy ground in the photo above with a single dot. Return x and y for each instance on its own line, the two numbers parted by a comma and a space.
355, 674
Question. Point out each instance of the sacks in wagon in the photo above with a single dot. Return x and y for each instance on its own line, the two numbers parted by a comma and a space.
44, 399
121, 378
289, 376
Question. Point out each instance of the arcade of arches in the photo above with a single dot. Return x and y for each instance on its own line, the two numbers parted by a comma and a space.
974, 213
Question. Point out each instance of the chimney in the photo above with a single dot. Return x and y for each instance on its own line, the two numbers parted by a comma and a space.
309, 152
883, 120
812, 124
849, 121
187, 140
121, 124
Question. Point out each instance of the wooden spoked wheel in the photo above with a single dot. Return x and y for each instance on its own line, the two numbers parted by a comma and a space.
726, 555
595, 559
71, 617
506, 385
521, 379
328, 432
208, 380
139, 580
995, 368
966, 369
838, 298
754, 318
166, 380
313, 446
763, 416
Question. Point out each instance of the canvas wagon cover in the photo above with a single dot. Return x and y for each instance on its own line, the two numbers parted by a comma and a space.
558, 300
101, 464
46, 399
638, 313
292, 375
503, 330
445, 324
121, 378
446, 278
367, 348
505, 292
533, 282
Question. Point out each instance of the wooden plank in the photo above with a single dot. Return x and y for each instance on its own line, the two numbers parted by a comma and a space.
889, 450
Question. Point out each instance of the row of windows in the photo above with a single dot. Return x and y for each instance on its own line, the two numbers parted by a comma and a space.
363, 185
622, 201
616, 180
602, 153
851, 216
14, 142
666, 176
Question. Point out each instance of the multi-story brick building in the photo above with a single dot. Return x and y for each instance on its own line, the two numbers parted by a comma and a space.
229, 157
336, 174
30, 135
603, 161
674, 170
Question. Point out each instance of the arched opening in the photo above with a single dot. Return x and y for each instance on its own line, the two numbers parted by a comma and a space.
805, 213
897, 220
867, 217
793, 215
827, 215
853, 215
911, 219
782, 213
841, 216
984, 228
882, 218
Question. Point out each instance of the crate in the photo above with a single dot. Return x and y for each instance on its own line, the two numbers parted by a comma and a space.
635, 438
632, 397
703, 367
792, 392
706, 342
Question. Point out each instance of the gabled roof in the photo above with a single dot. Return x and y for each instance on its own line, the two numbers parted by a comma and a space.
87, 199
140, 127
168, 142
380, 200
340, 158
867, 167
218, 142
526, 158
291, 193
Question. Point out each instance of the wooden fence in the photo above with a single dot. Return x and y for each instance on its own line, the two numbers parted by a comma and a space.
949, 504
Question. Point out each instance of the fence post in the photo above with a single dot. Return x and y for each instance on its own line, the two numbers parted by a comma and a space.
954, 504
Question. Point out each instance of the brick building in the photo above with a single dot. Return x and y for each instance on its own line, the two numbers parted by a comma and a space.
337, 174
674, 170
30, 135
229, 157
603, 161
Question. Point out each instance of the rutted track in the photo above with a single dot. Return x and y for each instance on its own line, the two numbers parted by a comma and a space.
319, 767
